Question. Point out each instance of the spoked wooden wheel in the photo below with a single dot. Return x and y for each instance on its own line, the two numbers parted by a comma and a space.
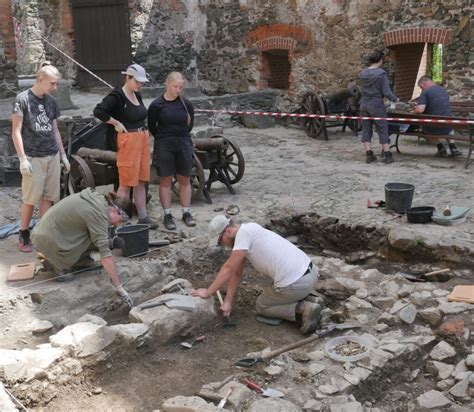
232, 162
197, 179
313, 104
80, 177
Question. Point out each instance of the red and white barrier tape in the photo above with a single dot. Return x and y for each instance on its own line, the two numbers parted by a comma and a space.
337, 116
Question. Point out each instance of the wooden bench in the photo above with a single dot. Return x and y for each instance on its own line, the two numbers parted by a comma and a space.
463, 132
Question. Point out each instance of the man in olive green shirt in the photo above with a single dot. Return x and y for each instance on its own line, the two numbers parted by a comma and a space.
78, 225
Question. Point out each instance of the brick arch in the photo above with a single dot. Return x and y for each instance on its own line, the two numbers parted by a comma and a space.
280, 37
417, 35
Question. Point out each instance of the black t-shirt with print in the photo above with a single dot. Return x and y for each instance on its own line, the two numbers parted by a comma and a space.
37, 131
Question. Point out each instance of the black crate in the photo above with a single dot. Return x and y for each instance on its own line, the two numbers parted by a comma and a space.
10, 177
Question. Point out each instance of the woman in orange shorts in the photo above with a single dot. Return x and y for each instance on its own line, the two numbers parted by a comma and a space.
124, 111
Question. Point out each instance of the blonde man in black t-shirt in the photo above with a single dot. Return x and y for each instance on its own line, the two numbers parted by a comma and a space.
39, 147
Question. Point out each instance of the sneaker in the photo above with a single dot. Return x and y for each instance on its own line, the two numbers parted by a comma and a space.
24, 243
370, 157
169, 222
455, 152
188, 219
388, 158
310, 318
147, 221
441, 153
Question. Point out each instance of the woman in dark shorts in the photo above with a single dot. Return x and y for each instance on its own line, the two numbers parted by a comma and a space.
124, 111
170, 119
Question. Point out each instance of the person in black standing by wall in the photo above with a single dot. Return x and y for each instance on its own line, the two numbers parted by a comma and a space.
124, 111
374, 88
170, 119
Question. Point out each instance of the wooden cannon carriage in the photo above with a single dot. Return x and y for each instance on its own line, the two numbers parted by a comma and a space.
343, 102
93, 164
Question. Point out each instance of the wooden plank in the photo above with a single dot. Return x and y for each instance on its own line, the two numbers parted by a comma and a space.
21, 271
462, 293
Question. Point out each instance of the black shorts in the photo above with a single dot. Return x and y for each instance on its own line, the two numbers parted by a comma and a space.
173, 156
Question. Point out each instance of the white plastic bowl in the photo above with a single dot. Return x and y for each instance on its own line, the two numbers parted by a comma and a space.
333, 343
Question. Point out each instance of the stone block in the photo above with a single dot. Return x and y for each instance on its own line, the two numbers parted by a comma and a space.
187, 404
83, 339
131, 331
166, 323
6, 404
431, 316
460, 390
92, 319
442, 351
40, 326
453, 326
273, 405
433, 400
314, 368
353, 406
25, 364
257, 122
240, 393
408, 314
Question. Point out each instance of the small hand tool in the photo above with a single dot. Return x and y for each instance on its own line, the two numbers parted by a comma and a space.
227, 322
197, 339
224, 399
271, 393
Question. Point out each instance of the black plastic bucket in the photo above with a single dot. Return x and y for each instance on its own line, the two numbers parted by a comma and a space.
398, 196
135, 239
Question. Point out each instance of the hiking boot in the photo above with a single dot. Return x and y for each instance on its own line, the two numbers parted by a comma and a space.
370, 157
188, 219
441, 153
455, 152
60, 275
169, 222
310, 318
388, 158
24, 243
147, 221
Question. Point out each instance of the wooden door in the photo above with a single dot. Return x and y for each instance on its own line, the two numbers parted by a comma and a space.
102, 40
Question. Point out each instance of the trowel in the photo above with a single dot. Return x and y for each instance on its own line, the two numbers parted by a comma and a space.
269, 392
197, 339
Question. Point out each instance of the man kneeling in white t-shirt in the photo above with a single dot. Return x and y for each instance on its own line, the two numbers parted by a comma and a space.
294, 275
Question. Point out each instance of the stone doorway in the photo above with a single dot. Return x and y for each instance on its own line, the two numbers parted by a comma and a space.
277, 67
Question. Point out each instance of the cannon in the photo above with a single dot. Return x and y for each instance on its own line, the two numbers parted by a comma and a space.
93, 164
343, 102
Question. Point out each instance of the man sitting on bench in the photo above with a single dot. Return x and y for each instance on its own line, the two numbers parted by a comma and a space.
434, 100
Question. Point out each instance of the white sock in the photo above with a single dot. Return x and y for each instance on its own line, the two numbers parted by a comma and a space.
167, 211
186, 210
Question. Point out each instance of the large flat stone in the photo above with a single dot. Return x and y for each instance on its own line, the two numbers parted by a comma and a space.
187, 404
83, 339
273, 405
166, 323
6, 404
25, 364
442, 351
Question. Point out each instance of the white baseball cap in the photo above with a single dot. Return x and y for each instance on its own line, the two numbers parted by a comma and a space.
216, 227
138, 72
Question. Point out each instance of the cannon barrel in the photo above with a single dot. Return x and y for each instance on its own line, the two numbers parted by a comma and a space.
211, 143
106, 156
340, 95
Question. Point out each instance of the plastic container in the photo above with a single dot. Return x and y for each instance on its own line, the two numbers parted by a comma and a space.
135, 239
333, 343
420, 214
398, 196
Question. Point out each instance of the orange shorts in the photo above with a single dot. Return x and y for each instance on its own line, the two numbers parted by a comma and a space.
133, 158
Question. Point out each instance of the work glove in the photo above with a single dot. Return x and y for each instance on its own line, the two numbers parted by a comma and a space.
25, 166
65, 162
123, 296
120, 128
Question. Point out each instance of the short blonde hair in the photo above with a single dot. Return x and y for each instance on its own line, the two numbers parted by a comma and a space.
174, 76
47, 69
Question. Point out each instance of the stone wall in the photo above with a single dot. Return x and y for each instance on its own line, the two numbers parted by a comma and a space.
212, 41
